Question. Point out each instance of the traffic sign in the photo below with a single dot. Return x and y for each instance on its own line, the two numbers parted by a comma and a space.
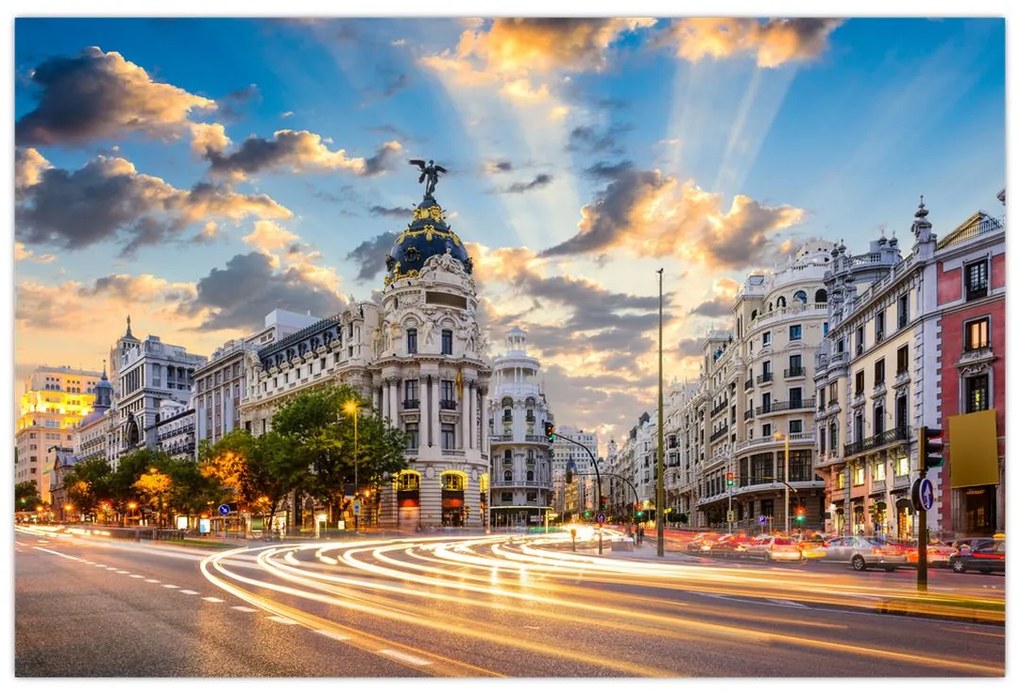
923, 494
762, 520
601, 518
224, 509
357, 507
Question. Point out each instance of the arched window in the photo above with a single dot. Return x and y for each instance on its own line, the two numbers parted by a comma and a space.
530, 475
408, 480
508, 475
800, 297
781, 302
754, 314
454, 481
506, 402
821, 296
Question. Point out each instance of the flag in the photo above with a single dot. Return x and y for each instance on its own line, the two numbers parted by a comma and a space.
460, 386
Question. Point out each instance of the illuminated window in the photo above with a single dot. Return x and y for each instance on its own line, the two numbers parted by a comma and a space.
453, 482
902, 467
859, 475
976, 335
878, 471
408, 481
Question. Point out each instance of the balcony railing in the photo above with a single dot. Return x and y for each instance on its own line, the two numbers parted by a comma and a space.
764, 378
975, 292
719, 434
411, 404
793, 404
721, 407
795, 438
794, 372
749, 414
447, 404
893, 435
748, 383
763, 409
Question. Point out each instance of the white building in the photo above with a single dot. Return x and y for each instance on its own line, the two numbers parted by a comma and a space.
580, 496
521, 455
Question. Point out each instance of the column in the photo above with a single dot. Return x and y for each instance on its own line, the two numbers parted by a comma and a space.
484, 437
392, 394
434, 426
472, 414
465, 410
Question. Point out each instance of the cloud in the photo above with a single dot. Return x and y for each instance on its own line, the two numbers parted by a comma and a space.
371, 254
605, 170
721, 304
539, 181
208, 139
99, 95
586, 139
268, 236
772, 42
650, 214
691, 347
29, 166
297, 151
239, 296
234, 104
109, 200
400, 212
493, 166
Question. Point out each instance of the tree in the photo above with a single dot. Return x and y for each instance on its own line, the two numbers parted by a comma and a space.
88, 483
274, 471
154, 486
26, 496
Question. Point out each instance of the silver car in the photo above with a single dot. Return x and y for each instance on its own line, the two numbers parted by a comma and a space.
863, 553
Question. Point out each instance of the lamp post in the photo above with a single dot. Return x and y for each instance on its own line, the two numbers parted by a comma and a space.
786, 475
660, 466
351, 407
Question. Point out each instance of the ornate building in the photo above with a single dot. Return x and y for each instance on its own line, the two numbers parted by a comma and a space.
521, 476
419, 357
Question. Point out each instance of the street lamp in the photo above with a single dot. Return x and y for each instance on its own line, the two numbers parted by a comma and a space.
785, 437
131, 508
351, 407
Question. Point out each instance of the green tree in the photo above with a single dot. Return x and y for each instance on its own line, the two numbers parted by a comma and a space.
26, 496
88, 484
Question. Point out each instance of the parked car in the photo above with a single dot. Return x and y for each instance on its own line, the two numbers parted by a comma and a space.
774, 549
702, 542
982, 556
730, 544
812, 547
865, 552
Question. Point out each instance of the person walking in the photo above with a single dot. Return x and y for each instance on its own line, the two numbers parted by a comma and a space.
640, 534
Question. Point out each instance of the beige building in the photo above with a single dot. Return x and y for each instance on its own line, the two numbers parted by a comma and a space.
54, 400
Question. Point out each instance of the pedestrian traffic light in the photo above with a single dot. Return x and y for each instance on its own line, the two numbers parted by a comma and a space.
931, 447
800, 512
729, 478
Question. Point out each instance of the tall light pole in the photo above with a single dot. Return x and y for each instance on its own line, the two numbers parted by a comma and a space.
786, 475
351, 407
660, 466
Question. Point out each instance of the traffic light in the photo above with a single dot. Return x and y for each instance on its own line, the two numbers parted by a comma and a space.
550, 432
587, 514
640, 514
729, 478
602, 502
800, 512
931, 447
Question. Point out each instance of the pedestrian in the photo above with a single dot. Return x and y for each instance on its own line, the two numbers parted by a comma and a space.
640, 534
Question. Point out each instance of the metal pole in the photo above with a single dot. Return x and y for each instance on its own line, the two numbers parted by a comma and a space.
356, 496
660, 466
922, 519
786, 478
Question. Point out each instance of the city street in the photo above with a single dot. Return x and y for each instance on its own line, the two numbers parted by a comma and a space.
475, 606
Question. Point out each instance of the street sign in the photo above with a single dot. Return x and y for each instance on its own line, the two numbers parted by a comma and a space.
923, 494
762, 520
731, 515
224, 509
601, 518
357, 507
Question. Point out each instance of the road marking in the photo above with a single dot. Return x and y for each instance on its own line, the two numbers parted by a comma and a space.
214, 600
245, 609
188, 592
786, 602
333, 634
152, 580
136, 575
284, 621
109, 568
172, 587
100, 565
122, 572
403, 656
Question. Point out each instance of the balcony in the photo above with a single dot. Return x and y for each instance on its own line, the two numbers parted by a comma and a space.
748, 383
797, 372
976, 292
719, 434
893, 435
763, 409
793, 404
453, 452
749, 414
795, 438
721, 407
447, 404
411, 404
763, 378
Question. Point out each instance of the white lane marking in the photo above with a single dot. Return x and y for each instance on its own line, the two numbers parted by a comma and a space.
284, 621
188, 592
333, 634
122, 572
171, 587
245, 609
787, 602
100, 565
403, 656
214, 600
111, 568
152, 580
136, 575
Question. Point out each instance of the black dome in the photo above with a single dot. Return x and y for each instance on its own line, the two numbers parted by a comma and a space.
428, 234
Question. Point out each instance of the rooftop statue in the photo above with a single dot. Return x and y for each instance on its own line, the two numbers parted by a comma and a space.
429, 172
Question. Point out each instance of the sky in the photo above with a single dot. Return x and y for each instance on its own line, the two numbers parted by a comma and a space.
198, 173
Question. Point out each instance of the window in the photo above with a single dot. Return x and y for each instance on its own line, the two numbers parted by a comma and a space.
902, 359
453, 482
508, 475
840, 346
796, 398
878, 471
800, 297
532, 496
408, 481
860, 340
879, 419
858, 428
976, 276
859, 475
766, 403
410, 391
902, 311
821, 440
766, 338
975, 335
795, 366
977, 393
880, 326
530, 475
879, 372
447, 342
766, 370
825, 330
901, 414
796, 426
446, 394
411, 435
902, 467
794, 332
766, 430
448, 439
507, 496
833, 435
412, 340
859, 383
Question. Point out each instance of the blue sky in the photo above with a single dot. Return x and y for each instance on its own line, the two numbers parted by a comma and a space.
583, 156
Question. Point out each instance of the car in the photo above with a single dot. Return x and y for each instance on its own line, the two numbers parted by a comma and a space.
812, 547
730, 544
865, 552
774, 549
982, 556
702, 542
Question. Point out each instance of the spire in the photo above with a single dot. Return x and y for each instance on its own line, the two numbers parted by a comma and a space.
128, 335
104, 371
921, 227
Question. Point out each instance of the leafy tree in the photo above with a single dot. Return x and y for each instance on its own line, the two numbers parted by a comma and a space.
26, 496
88, 483
275, 469
154, 486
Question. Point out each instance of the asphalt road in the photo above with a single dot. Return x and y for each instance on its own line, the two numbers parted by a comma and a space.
476, 607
